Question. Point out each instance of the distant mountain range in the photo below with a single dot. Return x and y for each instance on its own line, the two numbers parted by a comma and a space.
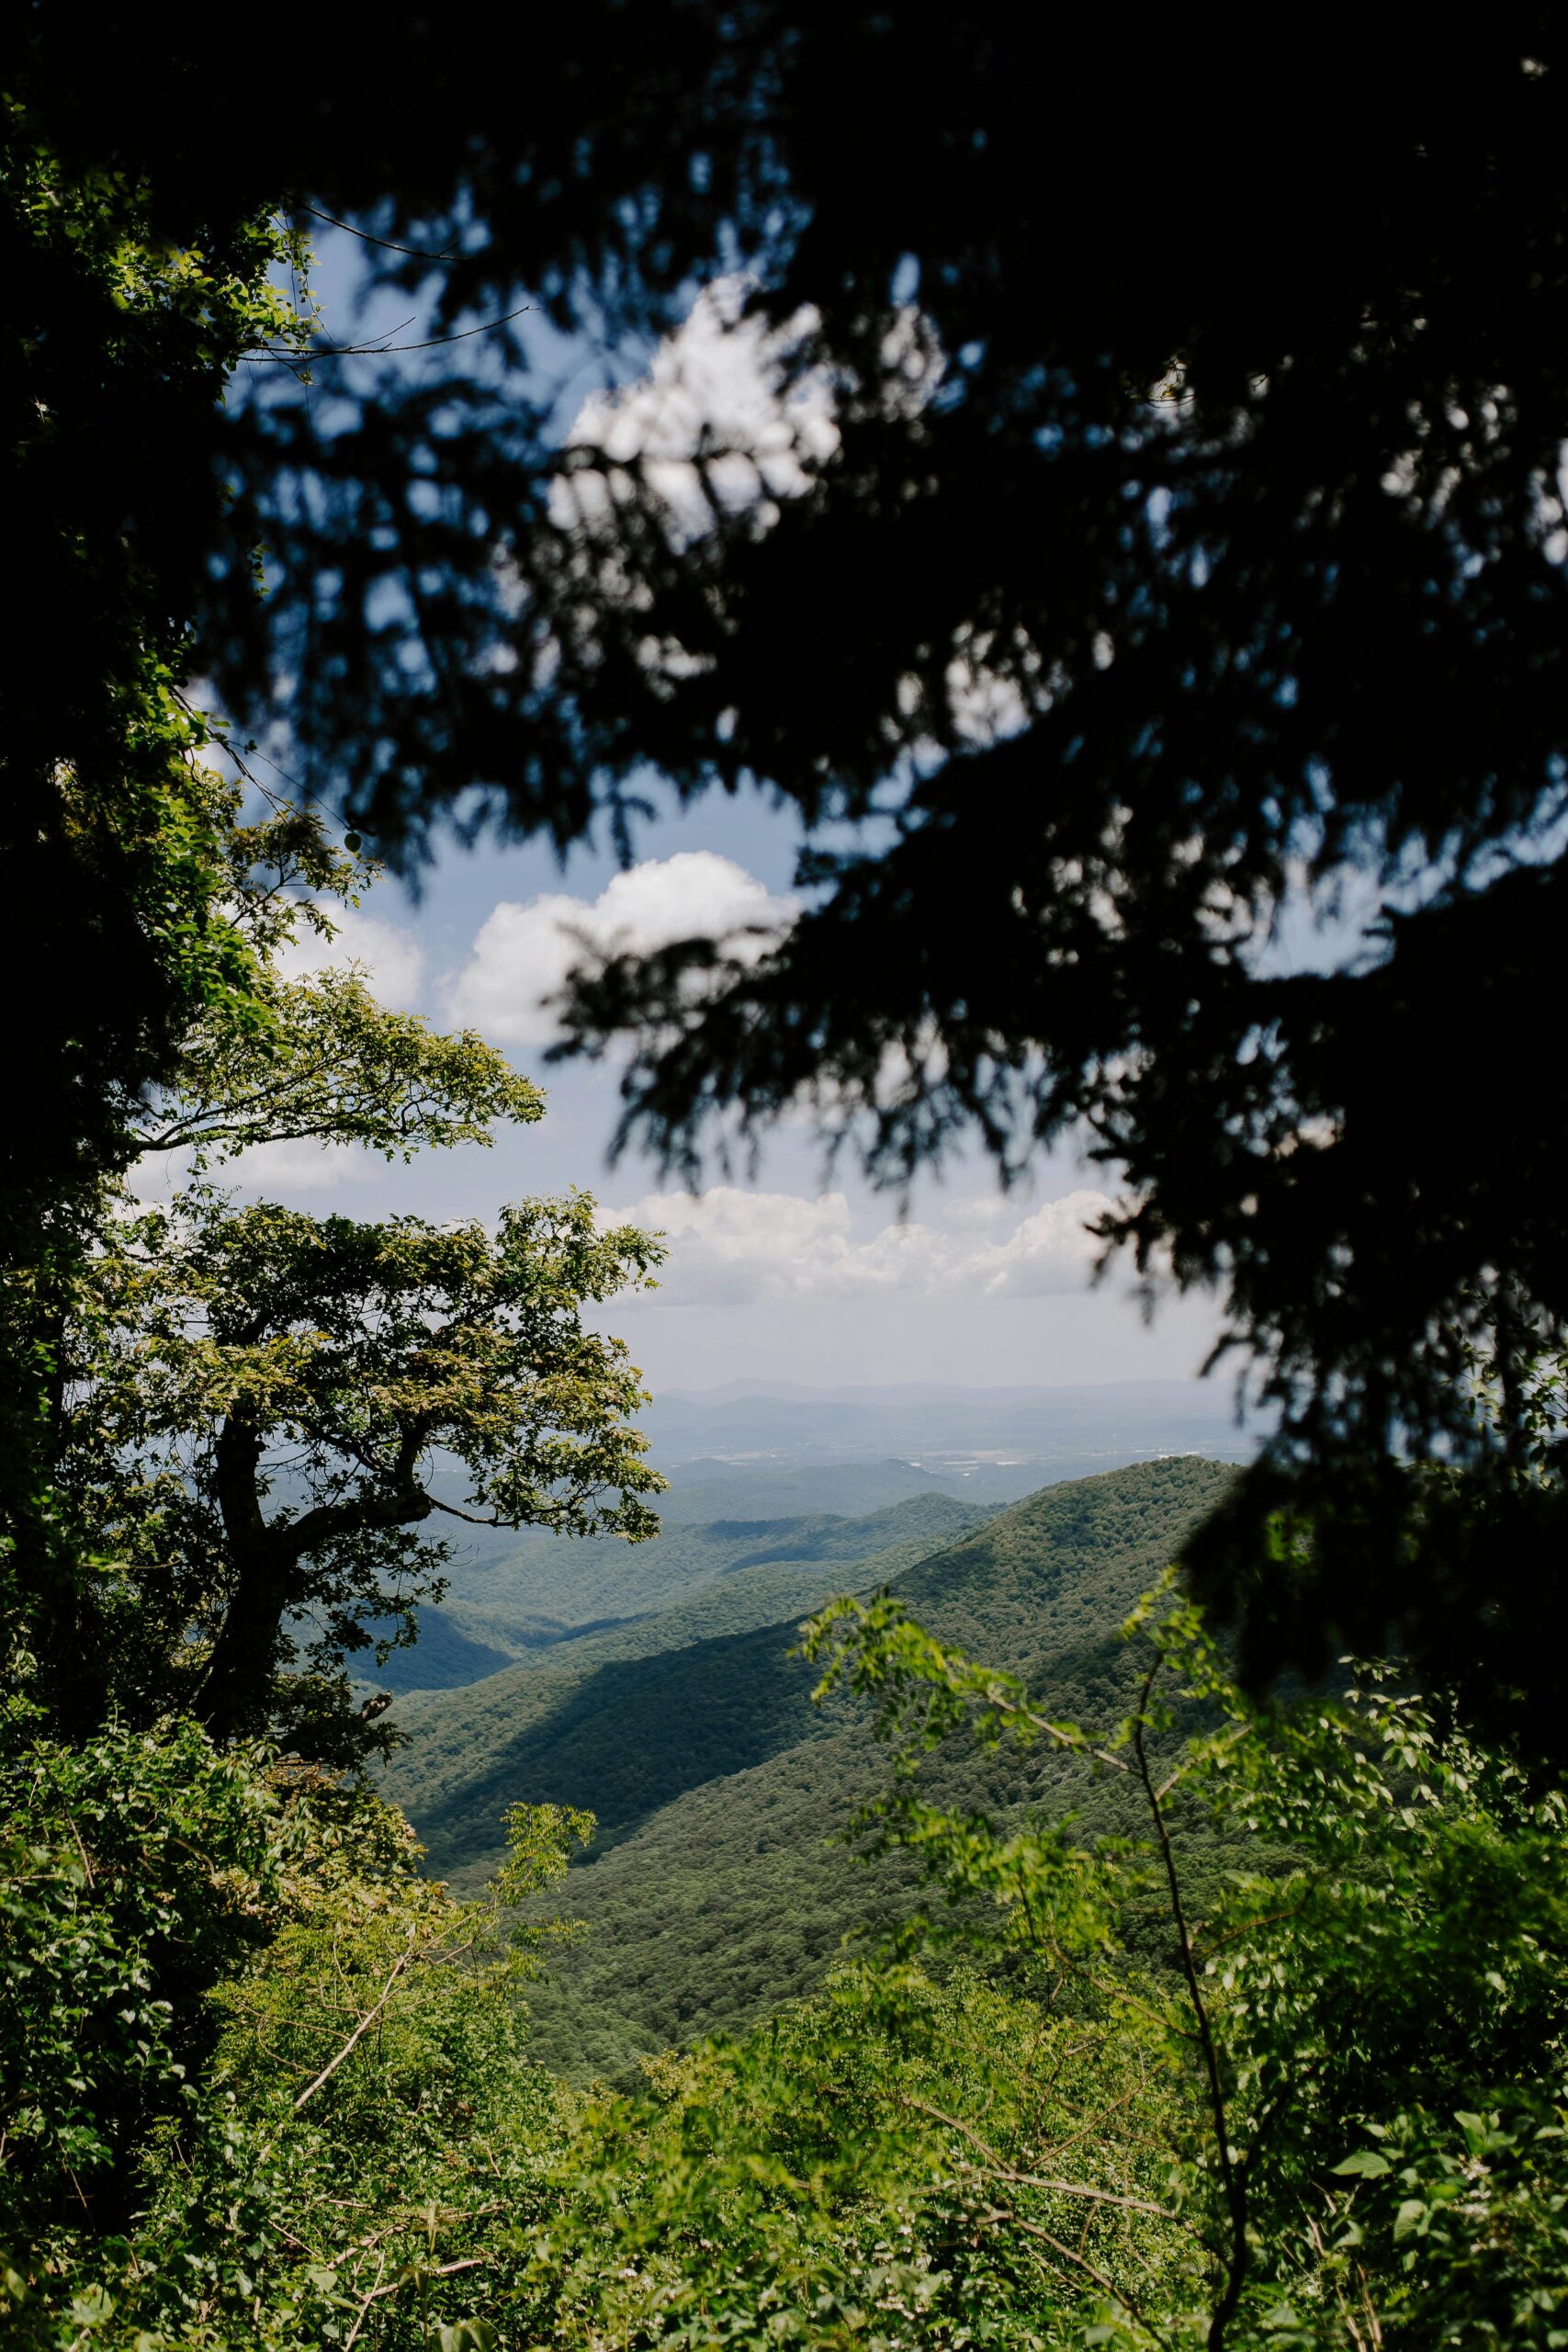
545, 1594
996, 1443
712, 1489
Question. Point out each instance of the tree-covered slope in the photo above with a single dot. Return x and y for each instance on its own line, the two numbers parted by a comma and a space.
549, 1589
715, 1888
758, 1593
623, 1709
714, 1490
444, 1658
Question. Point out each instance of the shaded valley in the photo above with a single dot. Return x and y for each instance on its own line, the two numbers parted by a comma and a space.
717, 1885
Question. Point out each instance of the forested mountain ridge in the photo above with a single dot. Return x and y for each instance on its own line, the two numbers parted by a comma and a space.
737, 1582
523, 1604
716, 1887
711, 1488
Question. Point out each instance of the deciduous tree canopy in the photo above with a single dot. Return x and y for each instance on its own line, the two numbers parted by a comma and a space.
263, 1409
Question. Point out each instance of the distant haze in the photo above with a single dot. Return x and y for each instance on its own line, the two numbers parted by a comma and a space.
992, 1443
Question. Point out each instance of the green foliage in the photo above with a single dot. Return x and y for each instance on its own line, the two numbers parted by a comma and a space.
1459, 2218
134, 1870
1452, 1560
177, 1354
825, 2182
374, 2129
215, 1339
332, 2114
125, 328
316, 1056
1399, 1967
1264, 2049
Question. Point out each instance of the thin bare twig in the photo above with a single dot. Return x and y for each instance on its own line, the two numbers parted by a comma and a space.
442, 2270
1079, 2262
87, 1863
365, 2022
375, 350
1104, 2117
416, 253
360, 2315
1190, 1763
1265, 1919
1075, 1742
1231, 2180
999, 2168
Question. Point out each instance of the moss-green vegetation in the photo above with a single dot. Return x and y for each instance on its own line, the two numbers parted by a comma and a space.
1329, 2113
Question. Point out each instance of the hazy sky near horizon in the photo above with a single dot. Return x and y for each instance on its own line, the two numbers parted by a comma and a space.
792, 1273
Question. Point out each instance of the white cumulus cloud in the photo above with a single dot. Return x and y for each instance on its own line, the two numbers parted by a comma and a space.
1050, 1250
719, 384
393, 958
302, 1166
734, 1248
273, 1170
523, 953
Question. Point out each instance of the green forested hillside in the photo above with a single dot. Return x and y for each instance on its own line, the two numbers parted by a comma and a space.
444, 1660
709, 1490
638, 1734
716, 1887
554, 1589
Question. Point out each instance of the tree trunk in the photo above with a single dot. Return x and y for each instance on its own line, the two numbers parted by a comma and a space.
236, 1691
235, 1698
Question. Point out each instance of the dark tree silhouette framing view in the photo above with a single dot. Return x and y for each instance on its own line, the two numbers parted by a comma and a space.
1172, 524
1101, 478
